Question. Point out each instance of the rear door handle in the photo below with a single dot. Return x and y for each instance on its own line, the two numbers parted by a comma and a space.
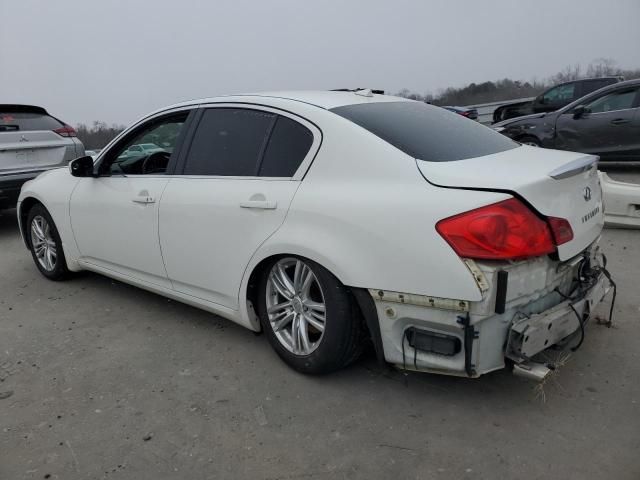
263, 204
143, 199
619, 121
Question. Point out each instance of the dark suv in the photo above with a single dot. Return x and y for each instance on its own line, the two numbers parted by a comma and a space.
554, 98
605, 123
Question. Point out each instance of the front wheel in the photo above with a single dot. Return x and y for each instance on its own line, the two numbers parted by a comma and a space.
45, 244
309, 316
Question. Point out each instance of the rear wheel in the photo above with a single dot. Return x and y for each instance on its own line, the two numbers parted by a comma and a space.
531, 141
45, 244
308, 316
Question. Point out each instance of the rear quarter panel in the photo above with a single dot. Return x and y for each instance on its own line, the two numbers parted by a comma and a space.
365, 212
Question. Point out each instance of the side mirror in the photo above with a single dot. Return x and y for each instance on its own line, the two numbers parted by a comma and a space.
581, 111
82, 167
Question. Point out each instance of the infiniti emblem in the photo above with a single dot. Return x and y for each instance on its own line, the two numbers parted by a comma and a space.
587, 194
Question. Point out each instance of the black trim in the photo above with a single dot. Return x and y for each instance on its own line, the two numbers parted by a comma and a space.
370, 314
470, 334
501, 291
267, 139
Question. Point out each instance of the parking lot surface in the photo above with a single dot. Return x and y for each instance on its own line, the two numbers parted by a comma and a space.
99, 379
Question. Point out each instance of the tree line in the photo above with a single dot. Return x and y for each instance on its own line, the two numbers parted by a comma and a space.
506, 89
98, 134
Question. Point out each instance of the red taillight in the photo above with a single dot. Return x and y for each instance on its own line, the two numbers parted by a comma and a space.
562, 231
501, 231
465, 114
65, 131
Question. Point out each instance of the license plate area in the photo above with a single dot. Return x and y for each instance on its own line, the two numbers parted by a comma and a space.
531, 335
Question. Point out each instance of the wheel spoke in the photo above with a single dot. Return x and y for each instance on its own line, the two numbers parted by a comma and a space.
286, 320
304, 335
315, 306
35, 230
285, 280
315, 322
279, 307
280, 287
295, 334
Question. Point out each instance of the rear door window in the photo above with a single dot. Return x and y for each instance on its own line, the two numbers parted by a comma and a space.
229, 142
288, 146
613, 101
27, 121
425, 131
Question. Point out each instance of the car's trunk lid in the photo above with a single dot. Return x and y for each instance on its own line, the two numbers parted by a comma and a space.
554, 183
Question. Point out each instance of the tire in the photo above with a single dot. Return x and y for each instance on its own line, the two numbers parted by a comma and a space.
45, 244
341, 340
531, 141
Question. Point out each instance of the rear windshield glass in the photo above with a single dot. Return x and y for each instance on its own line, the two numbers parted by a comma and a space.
425, 131
25, 121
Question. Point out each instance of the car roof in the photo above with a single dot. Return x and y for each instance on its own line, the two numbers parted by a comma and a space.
326, 99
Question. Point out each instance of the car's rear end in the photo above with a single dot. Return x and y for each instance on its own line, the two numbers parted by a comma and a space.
31, 141
533, 254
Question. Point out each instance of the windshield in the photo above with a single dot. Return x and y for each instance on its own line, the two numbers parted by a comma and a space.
426, 132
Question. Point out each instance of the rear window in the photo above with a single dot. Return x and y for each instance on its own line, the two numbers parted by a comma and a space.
26, 121
426, 132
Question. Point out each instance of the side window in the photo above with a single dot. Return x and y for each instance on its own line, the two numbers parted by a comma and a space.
620, 100
288, 146
148, 150
229, 142
559, 94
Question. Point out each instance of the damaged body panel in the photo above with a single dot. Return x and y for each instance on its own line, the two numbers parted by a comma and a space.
544, 301
622, 203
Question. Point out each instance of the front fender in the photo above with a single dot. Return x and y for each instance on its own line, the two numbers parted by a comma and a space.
52, 189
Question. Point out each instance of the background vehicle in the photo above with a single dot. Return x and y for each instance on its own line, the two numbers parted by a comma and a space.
321, 218
31, 141
554, 98
604, 123
471, 113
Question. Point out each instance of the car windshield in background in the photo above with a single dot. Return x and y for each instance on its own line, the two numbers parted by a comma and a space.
26, 121
426, 132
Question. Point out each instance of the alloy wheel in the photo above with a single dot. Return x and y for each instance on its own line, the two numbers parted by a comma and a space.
295, 306
43, 243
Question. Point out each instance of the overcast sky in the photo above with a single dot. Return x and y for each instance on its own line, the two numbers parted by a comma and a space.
116, 60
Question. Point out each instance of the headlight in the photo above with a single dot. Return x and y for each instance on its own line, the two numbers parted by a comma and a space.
498, 129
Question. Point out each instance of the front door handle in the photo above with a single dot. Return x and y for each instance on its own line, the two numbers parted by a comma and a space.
619, 121
263, 204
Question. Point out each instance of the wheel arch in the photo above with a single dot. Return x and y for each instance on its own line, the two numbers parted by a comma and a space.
23, 212
362, 300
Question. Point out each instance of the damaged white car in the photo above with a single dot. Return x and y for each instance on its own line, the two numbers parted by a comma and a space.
325, 219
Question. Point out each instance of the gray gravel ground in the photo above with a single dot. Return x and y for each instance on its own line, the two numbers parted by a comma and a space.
99, 379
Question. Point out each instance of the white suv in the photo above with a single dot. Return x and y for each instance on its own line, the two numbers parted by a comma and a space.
31, 141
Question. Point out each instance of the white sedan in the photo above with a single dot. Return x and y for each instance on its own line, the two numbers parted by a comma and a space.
328, 220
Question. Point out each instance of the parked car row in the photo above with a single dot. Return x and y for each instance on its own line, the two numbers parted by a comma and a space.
330, 219
604, 123
554, 98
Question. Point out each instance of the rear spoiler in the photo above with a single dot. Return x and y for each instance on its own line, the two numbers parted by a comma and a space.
574, 167
16, 108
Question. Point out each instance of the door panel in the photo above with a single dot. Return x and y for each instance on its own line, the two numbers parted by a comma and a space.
115, 224
211, 227
608, 134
